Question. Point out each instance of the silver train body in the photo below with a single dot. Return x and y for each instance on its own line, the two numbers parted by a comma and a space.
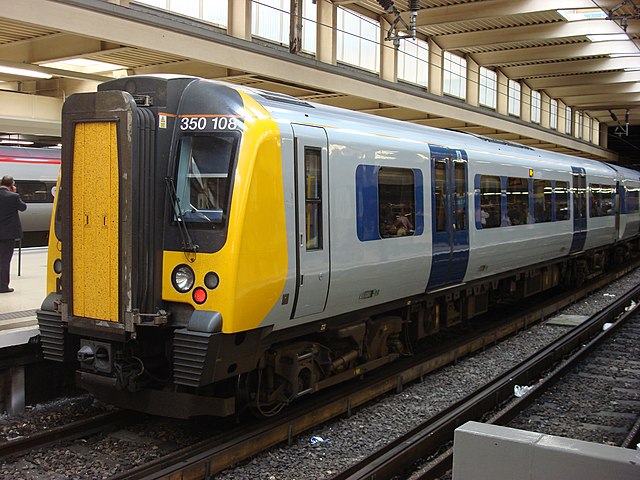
35, 171
268, 247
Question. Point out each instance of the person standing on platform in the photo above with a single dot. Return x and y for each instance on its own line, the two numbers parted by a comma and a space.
10, 227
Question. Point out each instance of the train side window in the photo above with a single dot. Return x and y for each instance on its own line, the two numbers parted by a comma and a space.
34, 191
632, 202
561, 196
440, 195
313, 197
542, 201
608, 201
396, 202
460, 178
579, 194
601, 200
517, 201
490, 201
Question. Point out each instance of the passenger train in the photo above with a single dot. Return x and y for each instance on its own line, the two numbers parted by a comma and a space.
35, 171
217, 247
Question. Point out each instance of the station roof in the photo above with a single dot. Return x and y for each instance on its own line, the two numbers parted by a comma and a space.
584, 53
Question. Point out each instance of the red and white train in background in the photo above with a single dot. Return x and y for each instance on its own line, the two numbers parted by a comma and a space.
35, 171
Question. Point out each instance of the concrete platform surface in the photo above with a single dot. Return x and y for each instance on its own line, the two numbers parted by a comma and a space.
29, 287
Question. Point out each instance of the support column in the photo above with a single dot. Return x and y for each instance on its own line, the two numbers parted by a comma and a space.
326, 32
239, 25
562, 117
502, 102
388, 56
603, 136
545, 110
435, 68
525, 102
473, 82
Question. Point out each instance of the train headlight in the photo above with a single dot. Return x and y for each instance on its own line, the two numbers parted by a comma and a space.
57, 266
182, 278
211, 280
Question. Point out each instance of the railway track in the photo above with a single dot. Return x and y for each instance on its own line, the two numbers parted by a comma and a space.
85, 427
212, 456
559, 358
222, 450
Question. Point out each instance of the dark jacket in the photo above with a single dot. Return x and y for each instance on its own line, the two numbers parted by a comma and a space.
10, 203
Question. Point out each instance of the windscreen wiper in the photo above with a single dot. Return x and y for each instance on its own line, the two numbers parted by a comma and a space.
187, 243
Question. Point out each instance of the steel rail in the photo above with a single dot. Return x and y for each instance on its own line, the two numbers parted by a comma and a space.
103, 422
430, 436
211, 456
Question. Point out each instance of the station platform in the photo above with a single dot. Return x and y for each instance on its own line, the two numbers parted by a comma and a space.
18, 309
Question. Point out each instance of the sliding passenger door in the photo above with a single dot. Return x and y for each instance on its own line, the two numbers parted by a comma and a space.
312, 220
579, 194
450, 223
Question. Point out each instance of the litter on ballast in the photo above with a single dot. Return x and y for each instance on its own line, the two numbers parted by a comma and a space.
520, 391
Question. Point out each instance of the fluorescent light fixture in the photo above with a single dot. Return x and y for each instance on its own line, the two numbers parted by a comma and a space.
84, 65
16, 142
624, 55
582, 14
23, 72
607, 37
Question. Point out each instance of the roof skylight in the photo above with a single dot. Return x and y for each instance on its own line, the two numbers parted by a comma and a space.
582, 14
84, 65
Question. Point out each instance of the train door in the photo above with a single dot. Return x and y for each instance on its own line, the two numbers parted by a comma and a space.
450, 222
312, 220
579, 191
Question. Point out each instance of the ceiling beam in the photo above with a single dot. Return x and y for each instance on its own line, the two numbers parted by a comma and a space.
599, 78
568, 66
603, 99
525, 33
554, 52
582, 90
486, 9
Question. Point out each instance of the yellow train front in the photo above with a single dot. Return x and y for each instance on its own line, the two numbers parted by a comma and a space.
160, 277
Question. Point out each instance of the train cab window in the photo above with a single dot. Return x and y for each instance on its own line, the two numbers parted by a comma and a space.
490, 201
542, 201
601, 200
517, 201
396, 202
561, 198
203, 184
313, 197
35, 191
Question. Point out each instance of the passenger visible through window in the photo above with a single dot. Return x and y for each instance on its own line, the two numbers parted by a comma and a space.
517, 201
542, 201
601, 200
396, 201
490, 201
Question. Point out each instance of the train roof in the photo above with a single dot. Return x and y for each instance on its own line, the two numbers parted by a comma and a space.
291, 109
30, 155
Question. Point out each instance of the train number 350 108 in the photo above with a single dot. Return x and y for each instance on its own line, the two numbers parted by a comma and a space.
208, 123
